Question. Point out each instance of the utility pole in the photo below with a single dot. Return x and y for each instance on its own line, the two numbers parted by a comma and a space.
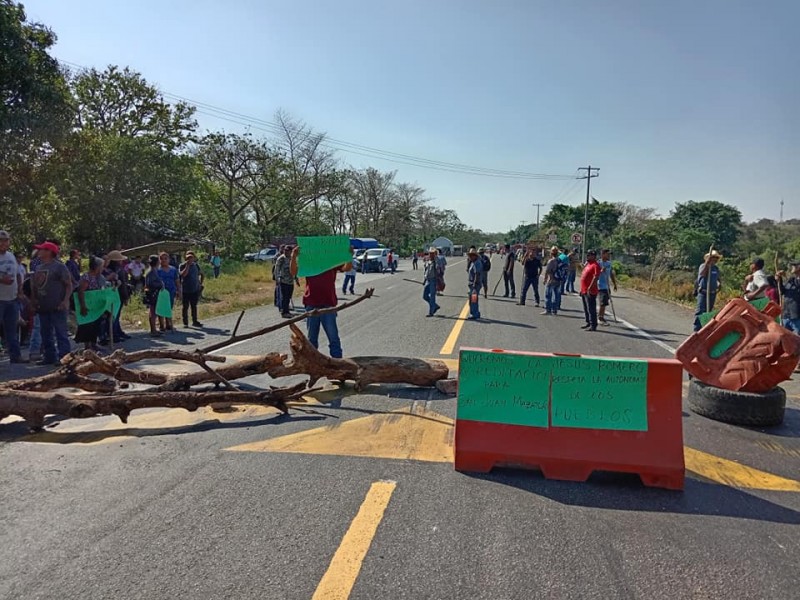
590, 173
538, 206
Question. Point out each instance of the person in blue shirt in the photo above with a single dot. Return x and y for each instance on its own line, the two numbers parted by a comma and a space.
707, 285
604, 283
474, 277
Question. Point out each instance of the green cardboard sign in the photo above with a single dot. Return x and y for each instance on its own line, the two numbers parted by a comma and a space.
322, 253
543, 391
97, 303
599, 393
164, 305
502, 388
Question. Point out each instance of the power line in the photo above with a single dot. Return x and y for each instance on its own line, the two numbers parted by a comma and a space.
353, 148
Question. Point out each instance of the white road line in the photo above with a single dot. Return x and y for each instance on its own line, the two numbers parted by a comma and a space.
390, 287
648, 336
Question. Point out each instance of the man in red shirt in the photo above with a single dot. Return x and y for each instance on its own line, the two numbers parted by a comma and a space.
321, 293
589, 290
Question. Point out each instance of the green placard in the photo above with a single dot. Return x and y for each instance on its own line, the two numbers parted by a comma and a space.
97, 303
599, 393
503, 388
322, 253
164, 305
542, 391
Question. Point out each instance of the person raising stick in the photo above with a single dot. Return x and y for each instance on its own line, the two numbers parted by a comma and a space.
707, 286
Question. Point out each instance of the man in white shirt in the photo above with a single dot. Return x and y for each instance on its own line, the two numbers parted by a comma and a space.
135, 271
10, 293
756, 283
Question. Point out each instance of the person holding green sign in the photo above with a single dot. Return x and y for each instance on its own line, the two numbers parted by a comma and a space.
90, 281
321, 293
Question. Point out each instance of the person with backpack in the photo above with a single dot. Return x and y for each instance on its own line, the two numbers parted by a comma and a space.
562, 274
552, 283
486, 263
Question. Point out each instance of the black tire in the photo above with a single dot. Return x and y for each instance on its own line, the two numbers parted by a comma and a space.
737, 408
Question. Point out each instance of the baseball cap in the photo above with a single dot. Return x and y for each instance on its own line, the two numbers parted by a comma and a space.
48, 246
4, 235
795, 263
591, 253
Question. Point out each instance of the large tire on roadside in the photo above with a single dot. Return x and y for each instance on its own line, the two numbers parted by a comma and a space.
737, 408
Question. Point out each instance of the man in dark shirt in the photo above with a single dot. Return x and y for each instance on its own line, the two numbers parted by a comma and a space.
790, 288
191, 283
532, 268
321, 293
50, 291
508, 272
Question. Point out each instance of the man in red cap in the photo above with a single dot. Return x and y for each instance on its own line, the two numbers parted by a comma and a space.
51, 289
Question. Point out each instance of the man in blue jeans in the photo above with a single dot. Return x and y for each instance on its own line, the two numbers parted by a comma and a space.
431, 277
531, 269
707, 276
10, 296
50, 292
475, 276
321, 293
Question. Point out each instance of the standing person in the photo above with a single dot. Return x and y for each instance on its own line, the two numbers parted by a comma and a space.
116, 274
756, 283
191, 285
589, 290
216, 263
442, 262
135, 271
508, 272
431, 278
74, 266
390, 258
552, 284
50, 291
284, 279
531, 269
170, 278
474, 278
10, 297
772, 290
350, 277
321, 293
152, 288
790, 288
604, 283
92, 280
486, 265
574, 266
563, 260
414, 260
707, 285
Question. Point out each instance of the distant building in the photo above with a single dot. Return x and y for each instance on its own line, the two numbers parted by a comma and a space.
444, 245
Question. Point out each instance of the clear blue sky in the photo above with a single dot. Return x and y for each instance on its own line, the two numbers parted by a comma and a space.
673, 100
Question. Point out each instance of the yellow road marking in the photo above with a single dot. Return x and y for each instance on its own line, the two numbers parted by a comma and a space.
450, 344
409, 434
338, 581
728, 472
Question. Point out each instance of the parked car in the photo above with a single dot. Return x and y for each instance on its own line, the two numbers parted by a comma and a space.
264, 255
376, 259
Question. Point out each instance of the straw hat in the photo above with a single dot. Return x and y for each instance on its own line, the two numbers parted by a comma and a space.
713, 254
116, 255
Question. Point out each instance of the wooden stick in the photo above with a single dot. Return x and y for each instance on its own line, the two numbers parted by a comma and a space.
238, 321
780, 294
708, 280
313, 313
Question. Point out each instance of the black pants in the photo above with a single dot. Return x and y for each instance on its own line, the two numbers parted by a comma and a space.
287, 289
190, 299
590, 309
508, 280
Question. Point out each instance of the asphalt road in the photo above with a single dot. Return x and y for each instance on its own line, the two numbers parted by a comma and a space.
163, 508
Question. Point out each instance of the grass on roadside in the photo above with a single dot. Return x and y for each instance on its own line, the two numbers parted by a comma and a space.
239, 286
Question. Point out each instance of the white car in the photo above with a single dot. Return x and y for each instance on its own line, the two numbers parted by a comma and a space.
264, 255
375, 259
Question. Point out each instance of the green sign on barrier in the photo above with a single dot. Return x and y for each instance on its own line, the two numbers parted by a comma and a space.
322, 253
544, 391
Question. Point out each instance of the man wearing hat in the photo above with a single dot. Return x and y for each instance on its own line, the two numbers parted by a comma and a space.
51, 289
191, 284
707, 286
486, 264
10, 295
474, 278
790, 288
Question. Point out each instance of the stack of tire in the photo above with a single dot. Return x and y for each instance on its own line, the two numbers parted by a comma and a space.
764, 409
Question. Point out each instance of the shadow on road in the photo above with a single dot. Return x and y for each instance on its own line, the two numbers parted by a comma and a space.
616, 491
789, 428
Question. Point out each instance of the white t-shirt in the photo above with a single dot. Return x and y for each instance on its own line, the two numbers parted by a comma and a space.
759, 279
135, 269
9, 270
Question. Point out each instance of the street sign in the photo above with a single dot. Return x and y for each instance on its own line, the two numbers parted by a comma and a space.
552, 237
576, 238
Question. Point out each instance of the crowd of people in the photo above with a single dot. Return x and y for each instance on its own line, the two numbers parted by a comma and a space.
40, 295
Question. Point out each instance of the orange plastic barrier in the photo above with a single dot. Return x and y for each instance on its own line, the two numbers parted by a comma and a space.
559, 449
741, 349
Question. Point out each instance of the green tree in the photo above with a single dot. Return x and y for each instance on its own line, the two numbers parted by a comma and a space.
712, 220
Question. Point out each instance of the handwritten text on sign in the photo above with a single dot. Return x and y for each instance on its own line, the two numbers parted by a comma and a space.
543, 391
